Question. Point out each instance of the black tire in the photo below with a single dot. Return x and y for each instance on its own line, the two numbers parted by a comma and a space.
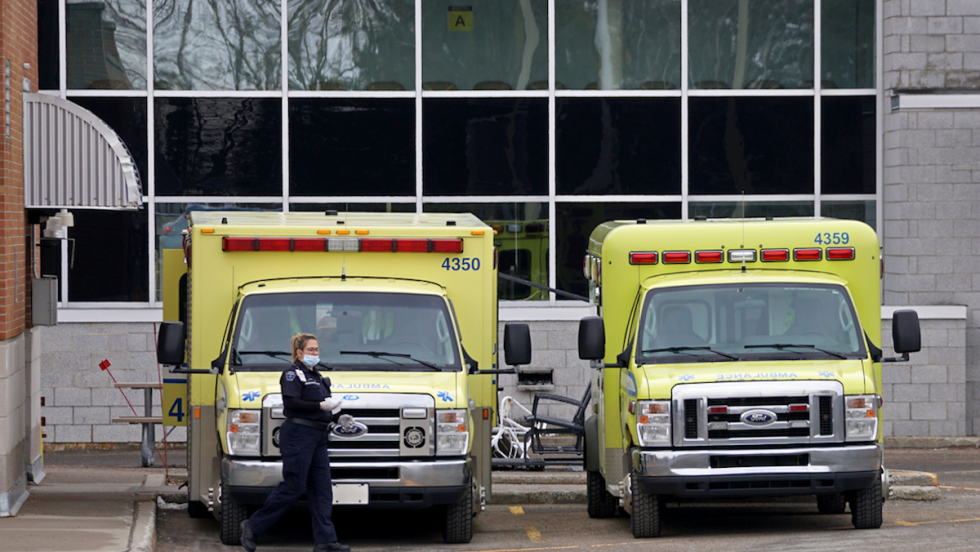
196, 509
233, 514
645, 520
832, 503
457, 525
866, 507
602, 504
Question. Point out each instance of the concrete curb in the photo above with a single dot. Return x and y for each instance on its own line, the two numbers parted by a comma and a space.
144, 534
931, 442
912, 485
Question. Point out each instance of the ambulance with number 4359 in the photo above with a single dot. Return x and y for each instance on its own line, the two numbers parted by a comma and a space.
404, 307
736, 358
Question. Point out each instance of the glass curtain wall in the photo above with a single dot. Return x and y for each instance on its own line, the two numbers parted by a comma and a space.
543, 117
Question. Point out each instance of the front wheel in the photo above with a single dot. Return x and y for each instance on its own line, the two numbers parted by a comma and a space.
458, 523
866, 507
647, 510
602, 504
233, 513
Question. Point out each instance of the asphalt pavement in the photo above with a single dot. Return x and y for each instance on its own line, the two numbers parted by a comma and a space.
97, 500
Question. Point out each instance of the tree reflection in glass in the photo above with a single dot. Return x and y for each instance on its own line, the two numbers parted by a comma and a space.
351, 44
106, 44
216, 44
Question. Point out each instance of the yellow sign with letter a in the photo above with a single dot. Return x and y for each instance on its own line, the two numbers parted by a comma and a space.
460, 18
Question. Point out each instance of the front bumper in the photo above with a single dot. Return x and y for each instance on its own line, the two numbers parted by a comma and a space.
412, 484
757, 472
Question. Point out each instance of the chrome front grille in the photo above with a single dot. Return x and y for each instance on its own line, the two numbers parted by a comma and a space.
380, 413
758, 413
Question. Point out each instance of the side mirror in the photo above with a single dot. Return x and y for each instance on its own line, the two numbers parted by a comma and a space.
905, 332
517, 344
170, 343
591, 338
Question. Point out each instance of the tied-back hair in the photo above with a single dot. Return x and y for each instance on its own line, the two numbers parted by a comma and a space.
299, 343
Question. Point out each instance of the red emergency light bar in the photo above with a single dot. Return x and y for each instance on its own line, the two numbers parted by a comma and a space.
708, 256
677, 257
649, 257
367, 245
770, 255
810, 254
840, 254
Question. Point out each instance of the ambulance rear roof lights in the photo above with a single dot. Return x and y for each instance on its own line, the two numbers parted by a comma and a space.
643, 257
775, 255
701, 257
840, 253
807, 254
364, 245
741, 255
677, 257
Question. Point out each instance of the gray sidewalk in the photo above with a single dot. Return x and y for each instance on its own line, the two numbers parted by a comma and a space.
102, 501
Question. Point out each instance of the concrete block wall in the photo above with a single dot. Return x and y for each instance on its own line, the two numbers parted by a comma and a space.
554, 346
926, 397
931, 179
80, 400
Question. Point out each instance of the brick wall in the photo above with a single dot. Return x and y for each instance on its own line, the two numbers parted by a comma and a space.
931, 183
19, 430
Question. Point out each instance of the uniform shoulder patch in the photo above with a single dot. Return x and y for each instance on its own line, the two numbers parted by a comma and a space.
290, 376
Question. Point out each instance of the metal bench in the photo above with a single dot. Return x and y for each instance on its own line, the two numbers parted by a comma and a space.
148, 420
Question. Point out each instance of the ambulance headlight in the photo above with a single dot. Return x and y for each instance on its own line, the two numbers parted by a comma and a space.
861, 415
452, 433
653, 423
244, 431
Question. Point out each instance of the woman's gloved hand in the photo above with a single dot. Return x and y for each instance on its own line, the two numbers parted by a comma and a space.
332, 404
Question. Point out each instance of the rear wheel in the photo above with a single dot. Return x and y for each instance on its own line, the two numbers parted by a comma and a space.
458, 523
233, 513
866, 507
602, 504
645, 519
832, 503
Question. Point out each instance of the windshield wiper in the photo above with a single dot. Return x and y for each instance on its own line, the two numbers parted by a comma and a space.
273, 354
804, 346
682, 349
382, 354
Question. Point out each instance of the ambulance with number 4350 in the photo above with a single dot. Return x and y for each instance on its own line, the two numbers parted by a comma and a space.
404, 307
736, 358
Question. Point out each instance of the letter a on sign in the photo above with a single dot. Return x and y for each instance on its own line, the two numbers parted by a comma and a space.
460, 18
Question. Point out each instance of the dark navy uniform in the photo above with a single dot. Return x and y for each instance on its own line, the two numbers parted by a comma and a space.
305, 464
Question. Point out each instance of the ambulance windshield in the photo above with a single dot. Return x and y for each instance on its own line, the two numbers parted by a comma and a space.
719, 323
355, 330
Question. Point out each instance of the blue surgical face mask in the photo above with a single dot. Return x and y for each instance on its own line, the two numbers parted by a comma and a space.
311, 360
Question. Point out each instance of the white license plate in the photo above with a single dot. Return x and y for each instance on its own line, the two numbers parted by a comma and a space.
350, 493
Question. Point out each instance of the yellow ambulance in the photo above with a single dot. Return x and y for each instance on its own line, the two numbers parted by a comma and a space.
736, 358
404, 307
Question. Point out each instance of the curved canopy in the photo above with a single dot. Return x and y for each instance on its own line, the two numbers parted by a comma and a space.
73, 160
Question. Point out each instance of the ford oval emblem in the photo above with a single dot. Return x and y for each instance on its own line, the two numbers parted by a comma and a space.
351, 397
758, 417
347, 426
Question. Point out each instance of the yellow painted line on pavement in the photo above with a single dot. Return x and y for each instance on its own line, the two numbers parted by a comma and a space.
533, 534
904, 523
960, 488
517, 510
530, 549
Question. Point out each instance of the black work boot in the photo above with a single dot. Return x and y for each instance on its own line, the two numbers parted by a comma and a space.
331, 547
248, 537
